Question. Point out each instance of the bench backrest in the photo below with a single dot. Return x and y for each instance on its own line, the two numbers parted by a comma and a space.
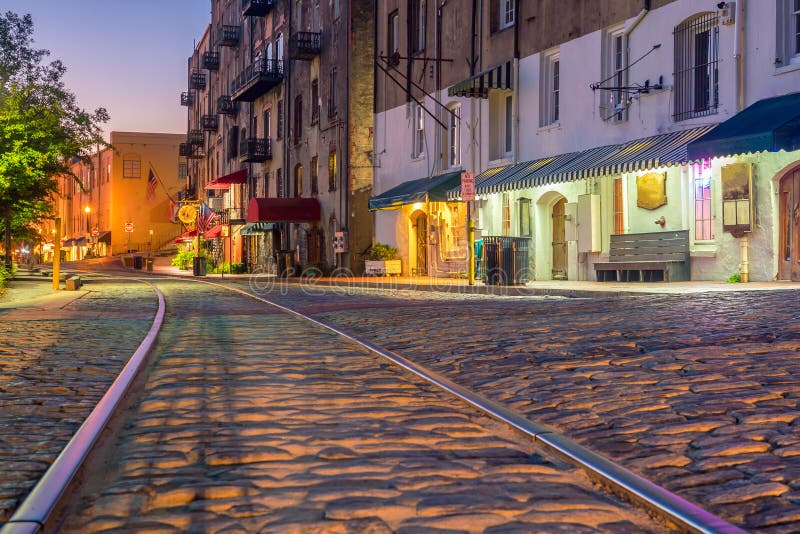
652, 246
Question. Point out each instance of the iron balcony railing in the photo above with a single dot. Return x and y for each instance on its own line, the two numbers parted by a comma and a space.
187, 98
197, 80
226, 106
188, 150
255, 150
209, 123
229, 35
256, 79
304, 45
257, 8
210, 60
196, 137
222, 216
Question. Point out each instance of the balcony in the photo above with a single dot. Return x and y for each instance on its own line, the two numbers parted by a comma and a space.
197, 80
304, 45
229, 36
253, 150
187, 98
196, 137
257, 8
258, 78
209, 123
187, 150
210, 60
226, 106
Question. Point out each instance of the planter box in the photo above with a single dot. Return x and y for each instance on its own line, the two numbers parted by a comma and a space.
382, 268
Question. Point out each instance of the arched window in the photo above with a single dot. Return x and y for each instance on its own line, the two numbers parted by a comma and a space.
298, 180
279, 47
270, 51
696, 71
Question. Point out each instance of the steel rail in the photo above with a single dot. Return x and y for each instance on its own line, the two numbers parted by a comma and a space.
652, 496
38, 507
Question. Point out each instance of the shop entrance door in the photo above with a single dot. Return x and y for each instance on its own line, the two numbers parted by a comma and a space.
559, 241
421, 229
789, 251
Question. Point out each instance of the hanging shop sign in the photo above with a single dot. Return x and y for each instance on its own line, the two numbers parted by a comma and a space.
737, 198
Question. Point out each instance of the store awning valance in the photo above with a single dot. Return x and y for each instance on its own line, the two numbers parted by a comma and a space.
283, 210
477, 86
68, 243
434, 189
768, 125
661, 150
214, 233
104, 237
80, 241
238, 177
186, 236
257, 228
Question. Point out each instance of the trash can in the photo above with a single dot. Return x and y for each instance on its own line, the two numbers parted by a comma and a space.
199, 266
505, 260
127, 261
137, 262
149, 264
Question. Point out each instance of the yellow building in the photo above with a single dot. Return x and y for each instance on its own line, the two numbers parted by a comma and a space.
131, 185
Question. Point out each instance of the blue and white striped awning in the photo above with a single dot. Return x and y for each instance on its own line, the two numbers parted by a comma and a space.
478, 86
662, 150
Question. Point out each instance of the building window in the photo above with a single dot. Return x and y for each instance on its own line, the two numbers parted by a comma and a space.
453, 136
393, 39
613, 106
314, 101
788, 33
703, 229
131, 168
279, 189
332, 170
233, 142
298, 118
525, 217
506, 13
335, 9
509, 114
332, 94
418, 14
315, 23
696, 73
506, 230
619, 207
314, 176
417, 130
501, 109
549, 105
298, 12
267, 123
182, 173
279, 133
298, 180
279, 47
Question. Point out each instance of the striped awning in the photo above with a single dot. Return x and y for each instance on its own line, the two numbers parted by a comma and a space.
662, 150
478, 85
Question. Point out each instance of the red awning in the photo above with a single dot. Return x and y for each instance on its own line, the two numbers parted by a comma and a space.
238, 177
186, 236
283, 210
214, 233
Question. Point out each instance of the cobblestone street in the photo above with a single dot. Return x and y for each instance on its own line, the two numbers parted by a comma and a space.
698, 393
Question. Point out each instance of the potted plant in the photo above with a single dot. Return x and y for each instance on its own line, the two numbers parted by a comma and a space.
382, 260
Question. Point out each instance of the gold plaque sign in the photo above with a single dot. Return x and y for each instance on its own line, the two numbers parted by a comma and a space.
187, 214
651, 190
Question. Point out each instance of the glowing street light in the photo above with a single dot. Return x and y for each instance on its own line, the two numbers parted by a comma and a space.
88, 210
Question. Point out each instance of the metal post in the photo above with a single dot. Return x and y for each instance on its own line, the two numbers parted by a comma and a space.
470, 246
745, 267
57, 253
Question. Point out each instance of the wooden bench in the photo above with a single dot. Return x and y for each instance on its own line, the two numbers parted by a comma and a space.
649, 257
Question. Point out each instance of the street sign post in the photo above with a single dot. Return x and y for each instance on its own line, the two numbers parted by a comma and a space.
467, 186
468, 195
129, 230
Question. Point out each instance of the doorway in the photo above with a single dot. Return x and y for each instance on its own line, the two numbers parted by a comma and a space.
421, 243
789, 251
559, 241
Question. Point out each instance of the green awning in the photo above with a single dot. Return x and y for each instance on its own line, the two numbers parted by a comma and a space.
768, 125
434, 188
257, 228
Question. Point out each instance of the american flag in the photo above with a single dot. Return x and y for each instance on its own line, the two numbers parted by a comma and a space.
151, 185
205, 217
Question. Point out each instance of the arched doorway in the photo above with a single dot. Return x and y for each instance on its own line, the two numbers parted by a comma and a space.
559, 242
420, 243
789, 229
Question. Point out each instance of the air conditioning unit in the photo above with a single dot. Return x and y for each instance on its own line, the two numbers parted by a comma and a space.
727, 13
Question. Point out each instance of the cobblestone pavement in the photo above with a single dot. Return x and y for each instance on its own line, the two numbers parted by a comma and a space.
252, 420
699, 393
58, 355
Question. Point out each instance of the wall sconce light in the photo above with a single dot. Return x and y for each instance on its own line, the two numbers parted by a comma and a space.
661, 221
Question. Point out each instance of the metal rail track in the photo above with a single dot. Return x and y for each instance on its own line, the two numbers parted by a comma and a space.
38, 508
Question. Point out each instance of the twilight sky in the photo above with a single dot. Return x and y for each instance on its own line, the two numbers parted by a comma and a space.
128, 56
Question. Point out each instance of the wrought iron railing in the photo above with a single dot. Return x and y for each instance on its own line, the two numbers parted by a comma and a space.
197, 80
229, 35
209, 122
226, 106
304, 45
187, 98
255, 150
210, 60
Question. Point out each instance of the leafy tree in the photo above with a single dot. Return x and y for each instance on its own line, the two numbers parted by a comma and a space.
41, 128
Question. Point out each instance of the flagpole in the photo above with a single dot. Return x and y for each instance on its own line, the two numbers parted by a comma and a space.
155, 173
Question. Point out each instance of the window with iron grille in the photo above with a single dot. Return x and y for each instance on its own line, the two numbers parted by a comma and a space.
619, 207
703, 228
696, 67
131, 168
787, 50
279, 133
279, 185
418, 14
314, 101
314, 176
332, 170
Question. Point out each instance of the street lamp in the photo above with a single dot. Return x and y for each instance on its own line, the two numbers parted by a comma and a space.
88, 210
